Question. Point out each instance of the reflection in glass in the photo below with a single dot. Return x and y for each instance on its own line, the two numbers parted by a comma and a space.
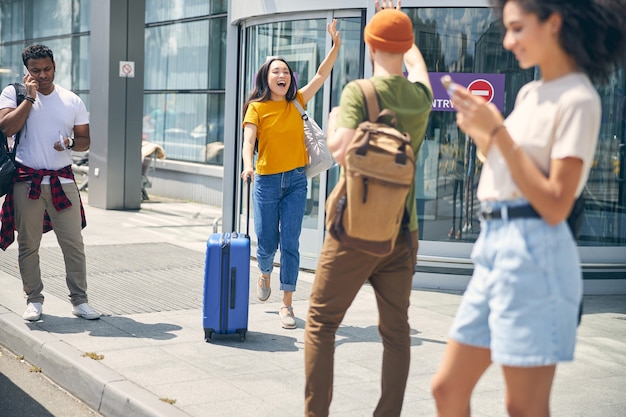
178, 122
81, 64
300, 42
52, 18
348, 67
177, 56
184, 82
349, 64
12, 26
605, 193
217, 53
469, 40
456, 40
168, 10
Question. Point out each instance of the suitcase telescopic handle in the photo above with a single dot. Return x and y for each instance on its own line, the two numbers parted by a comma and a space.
248, 184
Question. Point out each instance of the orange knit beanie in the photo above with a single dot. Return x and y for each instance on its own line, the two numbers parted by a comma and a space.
390, 30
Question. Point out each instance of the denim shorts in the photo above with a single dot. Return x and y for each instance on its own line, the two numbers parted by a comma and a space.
523, 298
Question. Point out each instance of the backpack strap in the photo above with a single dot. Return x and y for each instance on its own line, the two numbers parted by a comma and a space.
20, 94
372, 103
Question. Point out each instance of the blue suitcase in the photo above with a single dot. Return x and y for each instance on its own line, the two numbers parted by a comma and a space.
226, 285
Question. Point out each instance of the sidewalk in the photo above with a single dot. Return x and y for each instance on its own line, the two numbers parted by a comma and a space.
145, 273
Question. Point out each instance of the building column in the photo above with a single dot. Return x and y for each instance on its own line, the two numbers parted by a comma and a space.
116, 107
232, 148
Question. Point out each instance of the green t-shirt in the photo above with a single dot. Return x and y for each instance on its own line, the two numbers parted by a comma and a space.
411, 102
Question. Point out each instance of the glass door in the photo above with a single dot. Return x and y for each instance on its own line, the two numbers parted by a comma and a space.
304, 43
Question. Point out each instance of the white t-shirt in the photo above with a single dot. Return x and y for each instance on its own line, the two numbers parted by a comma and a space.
551, 120
51, 115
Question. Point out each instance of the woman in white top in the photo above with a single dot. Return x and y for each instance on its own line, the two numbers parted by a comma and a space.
520, 309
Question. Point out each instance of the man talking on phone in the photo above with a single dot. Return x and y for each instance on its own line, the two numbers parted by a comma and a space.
52, 121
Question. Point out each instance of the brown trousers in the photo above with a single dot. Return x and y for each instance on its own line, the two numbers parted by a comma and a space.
340, 273
68, 229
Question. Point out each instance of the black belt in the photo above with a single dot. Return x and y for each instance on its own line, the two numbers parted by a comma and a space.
516, 212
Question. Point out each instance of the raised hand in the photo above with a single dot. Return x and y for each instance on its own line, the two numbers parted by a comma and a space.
333, 32
386, 4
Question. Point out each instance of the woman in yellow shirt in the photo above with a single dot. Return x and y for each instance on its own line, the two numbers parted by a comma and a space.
280, 184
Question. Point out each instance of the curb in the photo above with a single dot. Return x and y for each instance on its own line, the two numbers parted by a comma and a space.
95, 384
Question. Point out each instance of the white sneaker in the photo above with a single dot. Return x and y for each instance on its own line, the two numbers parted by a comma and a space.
32, 312
85, 311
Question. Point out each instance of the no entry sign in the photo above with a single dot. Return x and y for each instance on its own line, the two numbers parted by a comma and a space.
481, 88
485, 85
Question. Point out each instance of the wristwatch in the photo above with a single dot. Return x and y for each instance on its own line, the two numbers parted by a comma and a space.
72, 143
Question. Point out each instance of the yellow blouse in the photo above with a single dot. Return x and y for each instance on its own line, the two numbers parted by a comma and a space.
280, 133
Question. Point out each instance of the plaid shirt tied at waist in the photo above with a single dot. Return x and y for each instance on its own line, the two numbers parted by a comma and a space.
59, 199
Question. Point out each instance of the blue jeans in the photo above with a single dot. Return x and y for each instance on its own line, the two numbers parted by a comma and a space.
279, 203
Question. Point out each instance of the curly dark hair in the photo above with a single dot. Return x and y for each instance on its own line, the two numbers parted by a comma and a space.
261, 91
36, 52
593, 31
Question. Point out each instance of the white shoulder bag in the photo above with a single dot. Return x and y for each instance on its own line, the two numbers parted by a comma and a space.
320, 158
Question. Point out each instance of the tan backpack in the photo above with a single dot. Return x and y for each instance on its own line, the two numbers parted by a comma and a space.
366, 208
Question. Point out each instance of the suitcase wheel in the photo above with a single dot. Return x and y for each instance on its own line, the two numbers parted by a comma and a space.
208, 335
242, 335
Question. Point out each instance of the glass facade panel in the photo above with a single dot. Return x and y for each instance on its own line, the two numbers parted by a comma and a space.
12, 26
166, 10
184, 83
456, 40
81, 64
469, 40
177, 56
605, 193
49, 23
217, 53
11, 66
349, 64
84, 15
219, 6
52, 18
300, 42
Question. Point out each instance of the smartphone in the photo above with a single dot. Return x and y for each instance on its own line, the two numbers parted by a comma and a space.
448, 84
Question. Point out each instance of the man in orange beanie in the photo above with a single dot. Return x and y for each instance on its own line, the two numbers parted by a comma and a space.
341, 269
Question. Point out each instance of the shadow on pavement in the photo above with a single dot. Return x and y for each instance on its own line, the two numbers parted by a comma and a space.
106, 327
258, 342
14, 402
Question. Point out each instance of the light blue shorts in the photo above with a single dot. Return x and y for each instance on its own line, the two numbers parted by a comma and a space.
523, 299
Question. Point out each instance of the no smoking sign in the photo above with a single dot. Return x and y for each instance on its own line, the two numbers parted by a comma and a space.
127, 69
